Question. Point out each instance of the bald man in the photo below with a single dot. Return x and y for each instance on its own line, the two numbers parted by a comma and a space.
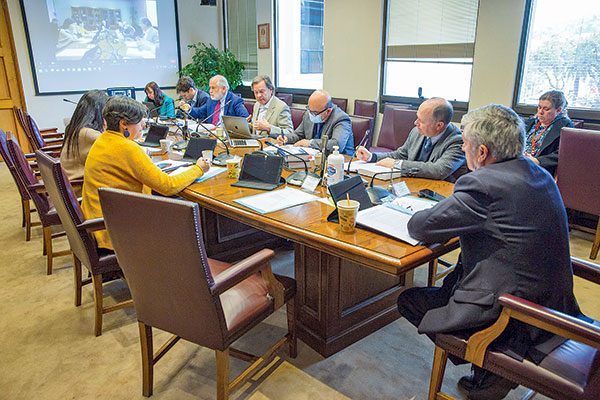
433, 148
322, 117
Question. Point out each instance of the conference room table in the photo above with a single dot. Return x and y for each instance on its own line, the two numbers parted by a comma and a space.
347, 283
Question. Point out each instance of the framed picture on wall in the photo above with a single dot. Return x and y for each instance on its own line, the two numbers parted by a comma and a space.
263, 36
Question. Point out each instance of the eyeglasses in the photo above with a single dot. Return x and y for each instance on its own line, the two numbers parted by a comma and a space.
316, 113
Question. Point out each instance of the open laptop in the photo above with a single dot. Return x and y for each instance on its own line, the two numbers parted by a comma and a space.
196, 146
261, 171
155, 134
153, 111
238, 131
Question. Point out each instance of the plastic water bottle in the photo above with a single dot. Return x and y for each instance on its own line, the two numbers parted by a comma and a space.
335, 167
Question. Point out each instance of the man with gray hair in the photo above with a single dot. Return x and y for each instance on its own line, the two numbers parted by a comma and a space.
270, 116
514, 239
221, 102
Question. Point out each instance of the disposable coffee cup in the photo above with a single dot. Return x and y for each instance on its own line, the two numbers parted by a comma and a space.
165, 145
208, 154
347, 210
233, 168
219, 131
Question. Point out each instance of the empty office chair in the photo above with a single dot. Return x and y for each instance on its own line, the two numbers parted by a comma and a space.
285, 97
37, 192
365, 108
79, 232
25, 198
341, 103
297, 114
571, 371
360, 125
578, 174
395, 127
46, 134
249, 104
178, 289
39, 141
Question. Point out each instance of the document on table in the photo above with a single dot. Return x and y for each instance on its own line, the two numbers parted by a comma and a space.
410, 204
388, 221
354, 165
276, 200
370, 169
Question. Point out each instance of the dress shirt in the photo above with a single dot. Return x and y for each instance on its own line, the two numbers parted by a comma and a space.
262, 110
398, 163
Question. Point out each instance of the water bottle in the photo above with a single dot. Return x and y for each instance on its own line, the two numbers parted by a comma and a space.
335, 167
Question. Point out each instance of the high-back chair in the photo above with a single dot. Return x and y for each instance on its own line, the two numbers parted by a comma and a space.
578, 174
25, 198
249, 104
79, 232
340, 102
287, 98
360, 125
41, 142
177, 288
395, 127
37, 193
39, 137
297, 114
571, 371
365, 108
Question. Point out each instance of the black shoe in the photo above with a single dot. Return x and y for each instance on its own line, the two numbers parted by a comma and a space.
468, 382
490, 387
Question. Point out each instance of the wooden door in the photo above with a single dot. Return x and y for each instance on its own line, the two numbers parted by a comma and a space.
11, 88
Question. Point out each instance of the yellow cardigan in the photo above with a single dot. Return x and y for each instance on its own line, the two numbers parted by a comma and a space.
116, 162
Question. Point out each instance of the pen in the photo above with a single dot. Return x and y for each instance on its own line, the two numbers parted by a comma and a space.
177, 166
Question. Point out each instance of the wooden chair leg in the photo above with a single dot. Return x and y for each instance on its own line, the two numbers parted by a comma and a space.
23, 212
147, 358
291, 320
77, 280
222, 374
27, 216
97, 282
47, 231
431, 272
437, 372
596, 245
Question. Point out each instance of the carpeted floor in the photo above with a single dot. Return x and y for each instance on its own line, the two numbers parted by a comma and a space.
48, 349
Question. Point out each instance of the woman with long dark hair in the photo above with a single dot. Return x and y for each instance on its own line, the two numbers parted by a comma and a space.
161, 101
85, 127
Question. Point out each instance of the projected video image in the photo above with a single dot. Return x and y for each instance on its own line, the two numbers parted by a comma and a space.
119, 30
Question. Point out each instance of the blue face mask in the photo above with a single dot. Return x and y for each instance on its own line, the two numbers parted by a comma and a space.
315, 119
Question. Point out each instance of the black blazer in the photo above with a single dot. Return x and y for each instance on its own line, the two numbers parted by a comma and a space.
548, 154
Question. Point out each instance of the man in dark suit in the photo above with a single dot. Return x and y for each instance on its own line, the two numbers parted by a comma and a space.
514, 239
433, 148
221, 102
189, 93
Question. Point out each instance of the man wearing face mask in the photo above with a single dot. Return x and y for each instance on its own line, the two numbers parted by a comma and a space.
322, 117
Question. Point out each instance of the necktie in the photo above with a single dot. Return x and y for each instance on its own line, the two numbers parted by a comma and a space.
317, 129
215, 119
425, 150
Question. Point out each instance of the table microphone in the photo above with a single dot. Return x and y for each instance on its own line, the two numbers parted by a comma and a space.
325, 153
70, 101
298, 177
362, 142
377, 193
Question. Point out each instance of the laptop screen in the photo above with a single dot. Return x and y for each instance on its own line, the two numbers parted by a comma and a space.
196, 146
261, 167
156, 133
237, 127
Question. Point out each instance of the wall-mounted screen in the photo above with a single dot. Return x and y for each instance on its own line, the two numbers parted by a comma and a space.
78, 45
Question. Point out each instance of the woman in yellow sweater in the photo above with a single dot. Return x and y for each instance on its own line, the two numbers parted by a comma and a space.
116, 161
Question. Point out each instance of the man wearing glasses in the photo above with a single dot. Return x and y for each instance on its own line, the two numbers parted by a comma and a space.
322, 118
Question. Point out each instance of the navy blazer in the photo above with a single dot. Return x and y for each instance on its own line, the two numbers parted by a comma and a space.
201, 98
235, 107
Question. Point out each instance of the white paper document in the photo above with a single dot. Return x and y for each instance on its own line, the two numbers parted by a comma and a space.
410, 204
388, 221
370, 169
276, 200
354, 165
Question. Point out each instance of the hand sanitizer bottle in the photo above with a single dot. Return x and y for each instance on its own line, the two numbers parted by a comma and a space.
335, 167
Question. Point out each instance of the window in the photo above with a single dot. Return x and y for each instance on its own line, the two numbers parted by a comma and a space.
300, 44
429, 49
241, 35
561, 51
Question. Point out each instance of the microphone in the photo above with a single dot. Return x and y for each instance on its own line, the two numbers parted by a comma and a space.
69, 101
377, 193
324, 140
298, 177
362, 142
420, 92
205, 119
153, 109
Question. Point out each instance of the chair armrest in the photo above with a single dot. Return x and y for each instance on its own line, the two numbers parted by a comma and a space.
53, 135
76, 182
242, 270
49, 130
38, 187
91, 225
586, 270
52, 147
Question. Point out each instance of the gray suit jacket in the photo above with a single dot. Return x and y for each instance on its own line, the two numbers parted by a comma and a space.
514, 239
338, 129
278, 115
447, 160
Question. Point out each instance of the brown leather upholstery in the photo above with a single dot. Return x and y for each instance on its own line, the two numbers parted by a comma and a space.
395, 127
249, 104
177, 288
297, 114
365, 108
286, 98
340, 102
578, 173
79, 232
571, 371
359, 126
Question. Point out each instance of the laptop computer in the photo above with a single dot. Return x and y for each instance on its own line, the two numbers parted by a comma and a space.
153, 111
196, 146
238, 131
155, 134
261, 171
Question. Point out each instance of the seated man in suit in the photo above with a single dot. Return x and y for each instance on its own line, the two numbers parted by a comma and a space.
271, 116
514, 239
188, 92
221, 102
322, 117
433, 148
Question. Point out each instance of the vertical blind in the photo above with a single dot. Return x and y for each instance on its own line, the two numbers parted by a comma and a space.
242, 35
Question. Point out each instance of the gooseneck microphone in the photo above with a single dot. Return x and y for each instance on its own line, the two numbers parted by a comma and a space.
298, 177
69, 101
362, 142
377, 193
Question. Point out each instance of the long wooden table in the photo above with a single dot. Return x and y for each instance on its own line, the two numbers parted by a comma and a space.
347, 284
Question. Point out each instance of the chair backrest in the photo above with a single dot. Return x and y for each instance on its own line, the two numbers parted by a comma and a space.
68, 209
340, 102
395, 127
11, 167
249, 104
359, 126
21, 117
577, 123
159, 245
297, 114
36, 135
578, 172
286, 98
365, 108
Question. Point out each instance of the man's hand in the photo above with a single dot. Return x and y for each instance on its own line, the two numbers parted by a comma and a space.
203, 164
281, 140
185, 106
532, 158
262, 125
363, 154
302, 143
386, 162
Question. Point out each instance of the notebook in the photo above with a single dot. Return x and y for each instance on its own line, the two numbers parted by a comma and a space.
238, 130
261, 171
155, 134
196, 146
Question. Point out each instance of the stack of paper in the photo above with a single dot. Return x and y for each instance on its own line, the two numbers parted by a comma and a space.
370, 169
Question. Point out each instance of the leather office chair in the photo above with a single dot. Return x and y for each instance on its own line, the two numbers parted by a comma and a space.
79, 232
249, 104
25, 198
41, 142
340, 102
297, 114
177, 288
360, 125
571, 371
37, 193
365, 108
578, 174
42, 135
286, 98
395, 127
